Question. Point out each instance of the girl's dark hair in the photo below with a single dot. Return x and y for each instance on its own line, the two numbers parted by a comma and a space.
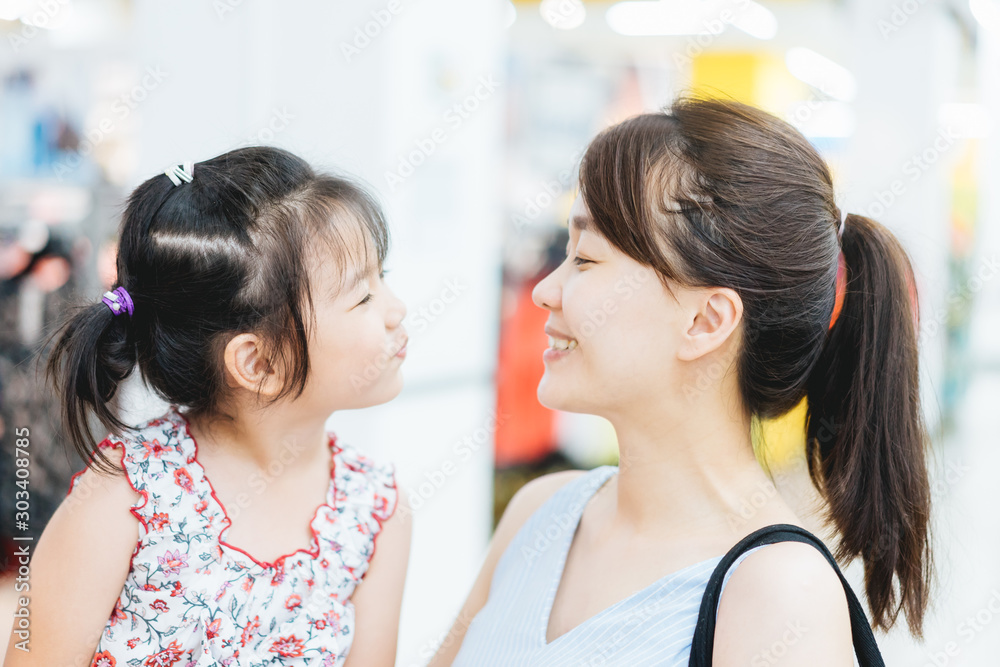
227, 253
717, 193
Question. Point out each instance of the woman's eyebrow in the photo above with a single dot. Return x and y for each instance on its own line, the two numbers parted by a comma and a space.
581, 222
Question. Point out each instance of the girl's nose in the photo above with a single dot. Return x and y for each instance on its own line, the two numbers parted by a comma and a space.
396, 312
548, 292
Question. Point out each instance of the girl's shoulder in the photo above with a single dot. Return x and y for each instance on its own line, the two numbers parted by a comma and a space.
362, 482
146, 451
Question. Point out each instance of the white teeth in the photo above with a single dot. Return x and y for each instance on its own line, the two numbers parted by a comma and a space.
562, 344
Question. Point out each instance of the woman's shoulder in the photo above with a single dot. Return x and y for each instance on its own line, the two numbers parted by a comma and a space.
530, 498
535, 493
799, 588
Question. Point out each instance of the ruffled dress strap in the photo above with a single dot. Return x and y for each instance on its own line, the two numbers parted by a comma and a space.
365, 496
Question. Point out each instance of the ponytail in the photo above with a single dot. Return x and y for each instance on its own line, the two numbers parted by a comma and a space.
93, 355
865, 438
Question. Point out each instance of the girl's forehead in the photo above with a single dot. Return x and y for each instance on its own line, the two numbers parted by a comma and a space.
340, 269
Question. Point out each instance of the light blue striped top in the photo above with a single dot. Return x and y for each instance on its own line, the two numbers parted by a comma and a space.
653, 626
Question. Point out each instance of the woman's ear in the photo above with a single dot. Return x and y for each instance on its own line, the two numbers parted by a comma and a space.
247, 366
711, 316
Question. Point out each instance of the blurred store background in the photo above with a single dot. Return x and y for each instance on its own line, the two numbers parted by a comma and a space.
468, 117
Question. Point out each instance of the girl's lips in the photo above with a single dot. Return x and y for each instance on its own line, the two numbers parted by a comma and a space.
402, 352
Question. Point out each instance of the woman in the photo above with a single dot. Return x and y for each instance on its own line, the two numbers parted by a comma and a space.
699, 294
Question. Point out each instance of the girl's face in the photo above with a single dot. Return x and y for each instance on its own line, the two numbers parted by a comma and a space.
358, 345
612, 327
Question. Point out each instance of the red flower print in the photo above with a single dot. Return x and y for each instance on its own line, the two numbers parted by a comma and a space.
173, 561
159, 605
325, 563
288, 647
117, 614
320, 624
132, 642
103, 659
178, 590
212, 631
362, 528
201, 507
149, 587
247, 584
183, 479
293, 601
166, 657
159, 521
249, 630
156, 449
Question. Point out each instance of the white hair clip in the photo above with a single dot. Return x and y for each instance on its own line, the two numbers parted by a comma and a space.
181, 172
843, 220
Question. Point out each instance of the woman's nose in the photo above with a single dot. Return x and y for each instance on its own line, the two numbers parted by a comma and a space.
548, 292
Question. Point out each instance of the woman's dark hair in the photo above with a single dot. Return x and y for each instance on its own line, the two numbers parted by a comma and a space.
227, 253
712, 192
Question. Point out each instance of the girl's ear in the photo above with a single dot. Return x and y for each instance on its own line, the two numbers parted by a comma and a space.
247, 366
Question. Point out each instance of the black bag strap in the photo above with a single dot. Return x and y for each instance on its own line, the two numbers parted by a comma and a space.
704, 632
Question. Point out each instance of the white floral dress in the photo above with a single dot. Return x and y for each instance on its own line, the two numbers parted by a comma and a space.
192, 600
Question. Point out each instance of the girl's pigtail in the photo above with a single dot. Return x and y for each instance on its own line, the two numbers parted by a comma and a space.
93, 355
866, 438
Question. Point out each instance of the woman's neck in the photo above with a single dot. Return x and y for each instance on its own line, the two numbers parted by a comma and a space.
692, 476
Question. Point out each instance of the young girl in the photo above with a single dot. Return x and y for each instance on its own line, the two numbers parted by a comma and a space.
233, 529
710, 280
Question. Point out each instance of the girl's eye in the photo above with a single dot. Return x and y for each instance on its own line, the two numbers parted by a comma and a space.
581, 260
366, 299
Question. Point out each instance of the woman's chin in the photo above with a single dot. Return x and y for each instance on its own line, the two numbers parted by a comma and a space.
554, 397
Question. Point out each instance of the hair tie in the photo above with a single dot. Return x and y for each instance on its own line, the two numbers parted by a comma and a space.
841, 288
119, 301
181, 172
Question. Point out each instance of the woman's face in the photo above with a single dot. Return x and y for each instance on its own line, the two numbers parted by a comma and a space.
617, 336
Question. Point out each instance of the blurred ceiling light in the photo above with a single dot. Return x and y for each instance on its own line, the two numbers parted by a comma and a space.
509, 14
47, 15
681, 17
563, 14
966, 120
12, 10
656, 17
756, 20
987, 12
821, 73
826, 119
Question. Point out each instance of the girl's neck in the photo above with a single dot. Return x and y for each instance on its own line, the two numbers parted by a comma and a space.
264, 438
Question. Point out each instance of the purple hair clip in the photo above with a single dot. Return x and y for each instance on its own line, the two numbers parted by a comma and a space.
119, 301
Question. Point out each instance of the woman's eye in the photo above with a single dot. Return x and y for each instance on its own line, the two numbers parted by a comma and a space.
581, 260
366, 299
